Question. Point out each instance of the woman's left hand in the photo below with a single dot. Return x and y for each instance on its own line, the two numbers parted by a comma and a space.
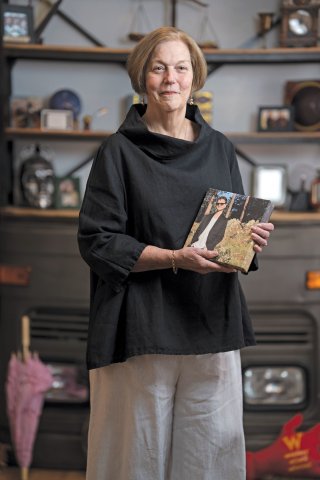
260, 235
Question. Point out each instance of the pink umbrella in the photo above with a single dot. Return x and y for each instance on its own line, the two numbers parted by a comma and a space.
27, 381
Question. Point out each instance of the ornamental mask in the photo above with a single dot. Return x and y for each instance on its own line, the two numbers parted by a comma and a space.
37, 181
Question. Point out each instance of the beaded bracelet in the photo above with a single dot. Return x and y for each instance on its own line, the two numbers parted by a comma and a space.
173, 262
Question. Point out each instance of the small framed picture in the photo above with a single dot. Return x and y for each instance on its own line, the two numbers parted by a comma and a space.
270, 182
67, 192
25, 112
17, 23
275, 119
56, 119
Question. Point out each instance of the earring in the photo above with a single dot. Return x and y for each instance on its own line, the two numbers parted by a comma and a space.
191, 101
142, 99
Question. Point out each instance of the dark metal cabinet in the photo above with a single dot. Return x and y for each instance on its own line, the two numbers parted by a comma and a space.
286, 317
285, 314
57, 302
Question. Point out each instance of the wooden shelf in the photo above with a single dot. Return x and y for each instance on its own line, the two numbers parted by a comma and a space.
36, 133
65, 53
258, 56
273, 137
25, 212
117, 55
284, 216
13, 473
99, 135
11, 211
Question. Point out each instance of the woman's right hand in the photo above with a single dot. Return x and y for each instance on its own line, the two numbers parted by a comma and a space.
199, 260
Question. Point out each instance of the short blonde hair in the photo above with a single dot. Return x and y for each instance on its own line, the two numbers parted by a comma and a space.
140, 56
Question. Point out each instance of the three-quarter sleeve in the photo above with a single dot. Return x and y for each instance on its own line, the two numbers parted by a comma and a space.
103, 238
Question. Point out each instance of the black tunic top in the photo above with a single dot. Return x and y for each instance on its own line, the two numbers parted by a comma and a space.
146, 189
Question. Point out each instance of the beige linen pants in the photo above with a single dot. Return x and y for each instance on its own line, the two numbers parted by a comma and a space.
167, 417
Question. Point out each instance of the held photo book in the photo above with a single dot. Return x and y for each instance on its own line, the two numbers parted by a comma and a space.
224, 223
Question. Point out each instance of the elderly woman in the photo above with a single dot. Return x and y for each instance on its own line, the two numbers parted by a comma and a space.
166, 323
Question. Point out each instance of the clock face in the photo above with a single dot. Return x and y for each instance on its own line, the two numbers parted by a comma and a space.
300, 22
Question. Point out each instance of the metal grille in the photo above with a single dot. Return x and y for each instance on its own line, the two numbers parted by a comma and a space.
59, 334
286, 328
283, 337
60, 324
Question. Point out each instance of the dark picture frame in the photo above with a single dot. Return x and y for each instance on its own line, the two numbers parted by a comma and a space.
17, 23
67, 192
278, 118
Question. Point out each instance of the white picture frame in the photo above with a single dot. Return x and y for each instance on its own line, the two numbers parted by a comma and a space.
52, 119
270, 182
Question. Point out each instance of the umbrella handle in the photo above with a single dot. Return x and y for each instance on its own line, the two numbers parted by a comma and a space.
24, 473
25, 337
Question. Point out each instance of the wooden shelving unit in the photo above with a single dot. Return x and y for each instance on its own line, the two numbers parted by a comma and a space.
215, 58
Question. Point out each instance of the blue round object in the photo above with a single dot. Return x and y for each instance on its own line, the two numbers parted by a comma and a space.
66, 100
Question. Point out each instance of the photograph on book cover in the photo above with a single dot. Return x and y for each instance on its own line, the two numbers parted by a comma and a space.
224, 224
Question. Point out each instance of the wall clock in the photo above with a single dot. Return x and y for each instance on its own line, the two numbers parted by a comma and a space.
299, 24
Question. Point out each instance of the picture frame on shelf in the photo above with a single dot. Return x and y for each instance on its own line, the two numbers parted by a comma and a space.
270, 182
56, 119
25, 112
17, 23
278, 118
67, 192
